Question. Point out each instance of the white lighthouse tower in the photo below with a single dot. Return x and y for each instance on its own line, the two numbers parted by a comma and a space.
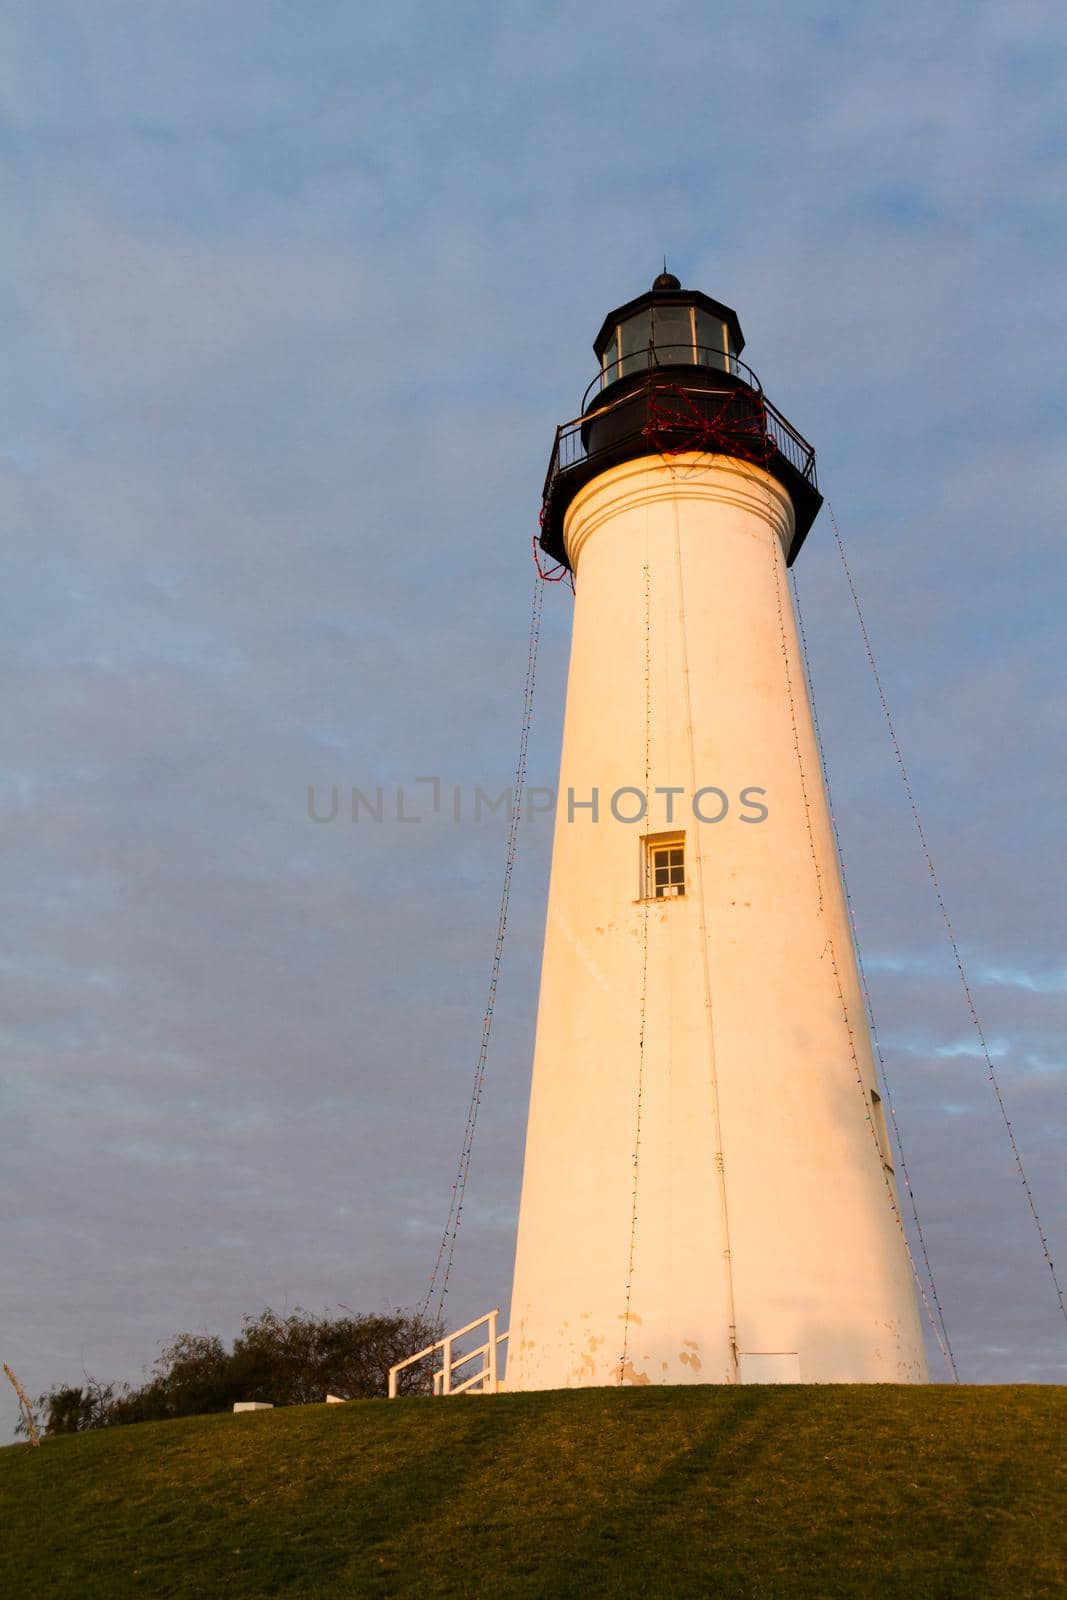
708, 1193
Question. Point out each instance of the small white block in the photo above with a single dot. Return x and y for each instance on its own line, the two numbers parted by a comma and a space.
335, 1400
253, 1405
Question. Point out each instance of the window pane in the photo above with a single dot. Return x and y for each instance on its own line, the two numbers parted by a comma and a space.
635, 335
711, 338
611, 357
673, 333
665, 866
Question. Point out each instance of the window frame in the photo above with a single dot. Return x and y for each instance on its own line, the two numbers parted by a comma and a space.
651, 844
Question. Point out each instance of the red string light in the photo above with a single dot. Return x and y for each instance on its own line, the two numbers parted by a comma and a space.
556, 573
737, 428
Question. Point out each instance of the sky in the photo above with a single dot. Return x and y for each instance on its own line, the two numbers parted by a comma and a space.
293, 298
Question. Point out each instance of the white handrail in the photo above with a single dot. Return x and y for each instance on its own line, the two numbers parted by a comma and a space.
488, 1376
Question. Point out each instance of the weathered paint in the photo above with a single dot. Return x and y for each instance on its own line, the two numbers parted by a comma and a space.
763, 1222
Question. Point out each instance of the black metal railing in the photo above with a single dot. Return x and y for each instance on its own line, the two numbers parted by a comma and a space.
654, 356
791, 444
571, 449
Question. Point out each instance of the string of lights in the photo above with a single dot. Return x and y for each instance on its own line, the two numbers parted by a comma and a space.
555, 572
624, 1357
792, 707
737, 428
898, 1141
439, 1280
936, 883
830, 948
709, 1009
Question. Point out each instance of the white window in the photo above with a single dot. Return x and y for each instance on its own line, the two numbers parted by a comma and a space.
665, 866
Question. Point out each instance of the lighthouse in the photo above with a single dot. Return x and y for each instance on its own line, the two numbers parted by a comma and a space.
708, 1192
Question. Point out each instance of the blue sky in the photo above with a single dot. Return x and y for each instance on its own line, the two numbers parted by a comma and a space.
293, 298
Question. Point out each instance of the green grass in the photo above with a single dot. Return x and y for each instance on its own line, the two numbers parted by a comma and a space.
650, 1493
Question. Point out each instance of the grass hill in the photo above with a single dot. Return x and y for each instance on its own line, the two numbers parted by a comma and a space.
759, 1491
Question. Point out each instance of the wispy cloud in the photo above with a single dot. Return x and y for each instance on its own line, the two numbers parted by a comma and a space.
932, 965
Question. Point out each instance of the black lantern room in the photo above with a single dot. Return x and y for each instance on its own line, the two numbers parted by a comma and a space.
674, 326
670, 380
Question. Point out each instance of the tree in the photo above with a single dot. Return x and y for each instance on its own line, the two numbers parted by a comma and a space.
299, 1357
191, 1377
295, 1358
71, 1408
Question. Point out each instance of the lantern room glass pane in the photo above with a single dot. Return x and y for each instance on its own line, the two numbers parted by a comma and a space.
609, 360
635, 336
673, 335
712, 341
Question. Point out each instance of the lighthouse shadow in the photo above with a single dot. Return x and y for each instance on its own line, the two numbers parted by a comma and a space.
838, 1491
684, 1501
